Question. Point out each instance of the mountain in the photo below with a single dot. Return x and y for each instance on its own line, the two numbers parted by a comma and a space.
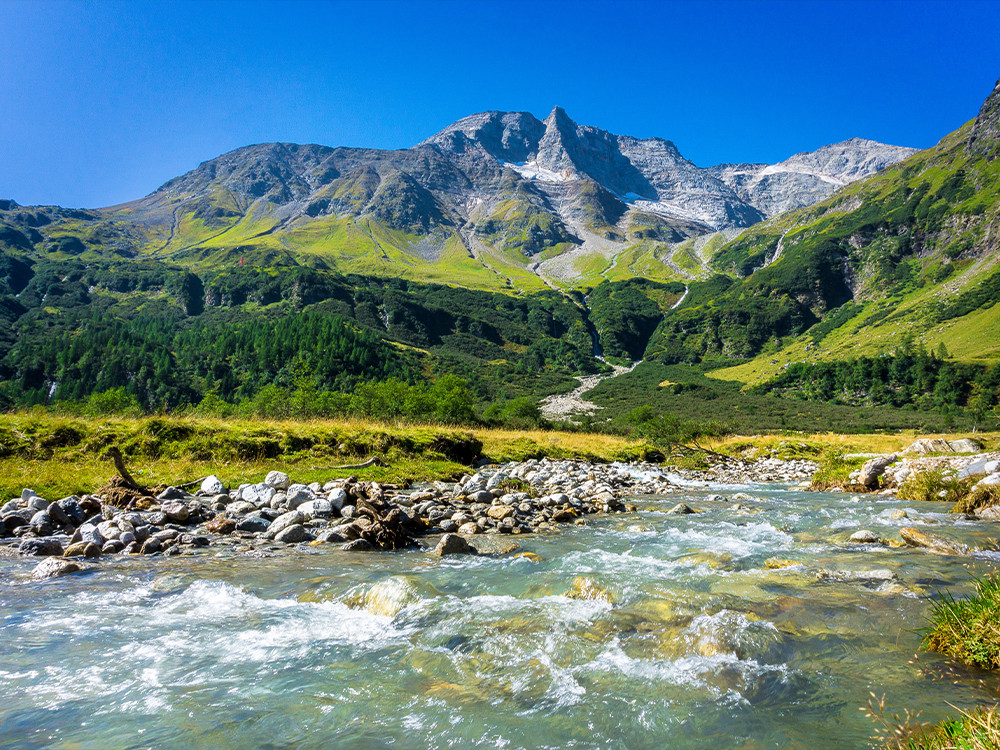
809, 177
282, 264
498, 200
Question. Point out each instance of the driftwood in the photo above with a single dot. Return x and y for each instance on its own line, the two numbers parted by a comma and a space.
116, 456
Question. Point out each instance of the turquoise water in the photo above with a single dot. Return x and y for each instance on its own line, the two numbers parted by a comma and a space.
686, 639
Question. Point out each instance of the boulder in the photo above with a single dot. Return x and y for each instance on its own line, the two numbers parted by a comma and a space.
358, 545
292, 534
221, 525
680, 509
53, 567
873, 469
864, 537
83, 549
991, 480
284, 521
965, 445
212, 485
277, 480
916, 538
176, 511
253, 524
337, 497
40, 547
318, 508
453, 544
297, 494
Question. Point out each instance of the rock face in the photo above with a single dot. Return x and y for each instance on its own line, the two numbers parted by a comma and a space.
984, 140
808, 177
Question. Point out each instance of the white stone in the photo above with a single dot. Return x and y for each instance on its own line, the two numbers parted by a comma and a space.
277, 479
212, 485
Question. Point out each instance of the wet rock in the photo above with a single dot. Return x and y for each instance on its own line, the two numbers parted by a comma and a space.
492, 544
292, 534
564, 515
221, 525
112, 547
53, 567
453, 544
83, 549
151, 546
864, 537
585, 587
358, 545
212, 485
253, 524
898, 514
277, 480
777, 563
332, 536
680, 509
880, 574
916, 538
40, 547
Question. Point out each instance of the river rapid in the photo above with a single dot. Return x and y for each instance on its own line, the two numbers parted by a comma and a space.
641, 630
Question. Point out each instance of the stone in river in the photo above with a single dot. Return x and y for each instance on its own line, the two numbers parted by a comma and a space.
151, 546
292, 534
54, 566
40, 547
680, 509
285, 520
916, 538
564, 515
864, 537
453, 544
83, 549
358, 545
253, 524
176, 511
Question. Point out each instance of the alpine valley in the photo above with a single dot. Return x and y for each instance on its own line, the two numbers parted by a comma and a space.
519, 255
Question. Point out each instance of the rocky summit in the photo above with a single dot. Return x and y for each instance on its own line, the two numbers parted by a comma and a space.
495, 198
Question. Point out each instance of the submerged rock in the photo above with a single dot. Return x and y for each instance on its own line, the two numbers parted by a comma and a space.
453, 544
864, 537
916, 538
53, 567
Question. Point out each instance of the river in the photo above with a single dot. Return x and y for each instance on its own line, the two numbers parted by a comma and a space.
643, 630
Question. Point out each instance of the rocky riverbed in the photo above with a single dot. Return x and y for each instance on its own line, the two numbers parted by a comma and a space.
528, 497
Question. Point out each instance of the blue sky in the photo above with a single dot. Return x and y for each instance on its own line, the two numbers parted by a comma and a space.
101, 102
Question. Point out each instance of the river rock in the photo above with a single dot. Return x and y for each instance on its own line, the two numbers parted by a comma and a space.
212, 485
74, 509
297, 494
989, 513
83, 549
221, 525
318, 508
500, 512
151, 546
253, 524
358, 545
873, 469
453, 544
680, 509
285, 520
864, 537
916, 538
53, 567
292, 534
277, 480
171, 493
40, 547
176, 511
989, 481
470, 527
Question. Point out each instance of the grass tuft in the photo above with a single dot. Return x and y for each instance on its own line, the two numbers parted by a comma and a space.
968, 629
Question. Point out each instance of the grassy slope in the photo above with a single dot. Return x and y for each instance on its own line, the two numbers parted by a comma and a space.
891, 308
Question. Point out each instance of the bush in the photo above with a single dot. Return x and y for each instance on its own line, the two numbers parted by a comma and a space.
116, 401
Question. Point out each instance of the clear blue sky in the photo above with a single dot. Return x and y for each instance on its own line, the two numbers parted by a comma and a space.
101, 102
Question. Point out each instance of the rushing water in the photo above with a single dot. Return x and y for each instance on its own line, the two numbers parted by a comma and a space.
687, 639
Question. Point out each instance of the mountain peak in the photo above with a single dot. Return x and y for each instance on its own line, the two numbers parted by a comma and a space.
985, 137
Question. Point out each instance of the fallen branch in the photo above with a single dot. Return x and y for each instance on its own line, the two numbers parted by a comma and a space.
116, 456
373, 461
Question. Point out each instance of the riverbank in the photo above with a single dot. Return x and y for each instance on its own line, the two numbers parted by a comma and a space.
59, 456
